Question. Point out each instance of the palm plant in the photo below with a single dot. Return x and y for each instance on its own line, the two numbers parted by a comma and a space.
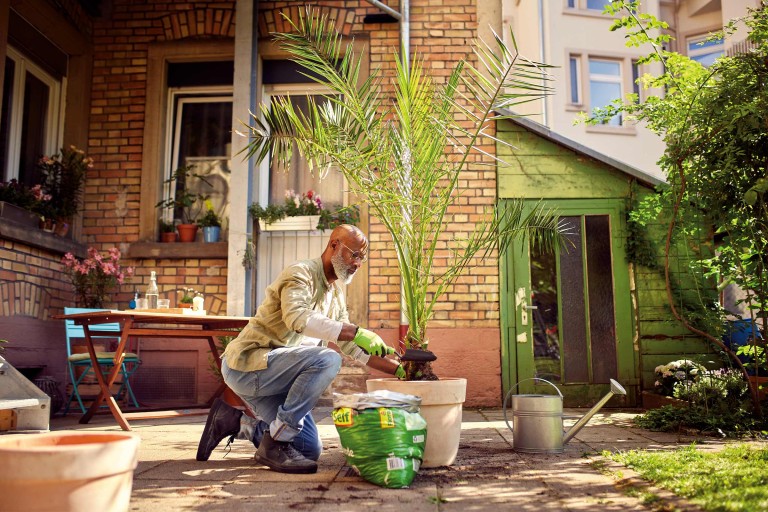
404, 158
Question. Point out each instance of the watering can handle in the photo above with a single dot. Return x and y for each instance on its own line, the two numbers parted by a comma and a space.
534, 378
506, 398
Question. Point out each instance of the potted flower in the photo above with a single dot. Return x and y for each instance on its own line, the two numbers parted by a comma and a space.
167, 231
63, 179
187, 297
184, 201
402, 148
210, 222
96, 276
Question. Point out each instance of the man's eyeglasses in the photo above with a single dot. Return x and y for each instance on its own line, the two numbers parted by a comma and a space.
362, 257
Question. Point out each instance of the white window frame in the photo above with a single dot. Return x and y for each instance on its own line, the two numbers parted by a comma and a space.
55, 118
270, 90
693, 49
607, 79
578, 81
583, 83
173, 132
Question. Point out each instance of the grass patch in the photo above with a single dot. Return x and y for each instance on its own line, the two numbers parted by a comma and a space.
734, 479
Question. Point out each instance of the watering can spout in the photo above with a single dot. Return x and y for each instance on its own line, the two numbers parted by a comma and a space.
616, 389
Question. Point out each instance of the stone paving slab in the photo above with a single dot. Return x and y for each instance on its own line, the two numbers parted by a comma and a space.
488, 474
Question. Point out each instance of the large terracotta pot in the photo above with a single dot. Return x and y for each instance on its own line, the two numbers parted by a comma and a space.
441, 405
67, 472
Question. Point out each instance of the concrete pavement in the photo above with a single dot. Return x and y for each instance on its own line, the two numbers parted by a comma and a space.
487, 475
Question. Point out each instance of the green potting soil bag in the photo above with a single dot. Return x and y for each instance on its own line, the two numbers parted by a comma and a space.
382, 435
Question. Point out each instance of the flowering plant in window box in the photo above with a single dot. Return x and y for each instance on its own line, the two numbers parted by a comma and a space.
94, 277
308, 204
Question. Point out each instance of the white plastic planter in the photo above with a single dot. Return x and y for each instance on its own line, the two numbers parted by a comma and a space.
441, 405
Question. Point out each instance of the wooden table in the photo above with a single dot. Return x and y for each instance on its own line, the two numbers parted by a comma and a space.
148, 325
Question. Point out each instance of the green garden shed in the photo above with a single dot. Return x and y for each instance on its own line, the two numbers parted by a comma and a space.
587, 314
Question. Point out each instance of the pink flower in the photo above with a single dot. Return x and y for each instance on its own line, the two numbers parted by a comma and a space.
95, 276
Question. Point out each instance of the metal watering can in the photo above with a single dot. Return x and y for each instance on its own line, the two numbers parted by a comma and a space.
538, 419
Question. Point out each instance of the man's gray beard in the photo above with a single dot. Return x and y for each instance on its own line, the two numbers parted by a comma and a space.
341, 269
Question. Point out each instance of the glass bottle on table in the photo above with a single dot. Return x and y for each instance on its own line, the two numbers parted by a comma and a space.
152, 291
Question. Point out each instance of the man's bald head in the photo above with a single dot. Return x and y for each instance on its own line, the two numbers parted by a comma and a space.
345, 253
349, 235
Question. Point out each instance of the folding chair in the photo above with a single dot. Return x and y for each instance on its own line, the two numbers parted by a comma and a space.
106, 332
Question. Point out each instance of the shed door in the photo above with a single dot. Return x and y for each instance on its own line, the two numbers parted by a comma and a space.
570, 313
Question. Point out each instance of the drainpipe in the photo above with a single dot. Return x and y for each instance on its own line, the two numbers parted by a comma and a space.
404, 18
542, 57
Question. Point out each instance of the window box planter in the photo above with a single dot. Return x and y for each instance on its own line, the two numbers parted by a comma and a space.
18, 215
300, 223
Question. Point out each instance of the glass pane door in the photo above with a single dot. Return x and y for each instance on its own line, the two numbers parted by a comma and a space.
567, 325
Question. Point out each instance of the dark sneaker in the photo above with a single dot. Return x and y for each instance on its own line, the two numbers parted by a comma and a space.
223, 421
282, 457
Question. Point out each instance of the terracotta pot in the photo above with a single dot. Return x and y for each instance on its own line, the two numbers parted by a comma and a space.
168, 237
187, 232
185, 305
61, 227
441, 406
67, 471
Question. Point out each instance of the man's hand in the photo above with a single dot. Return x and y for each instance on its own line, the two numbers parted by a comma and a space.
372, 343
400, 372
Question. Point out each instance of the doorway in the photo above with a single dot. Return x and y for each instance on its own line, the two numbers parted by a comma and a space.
569, 315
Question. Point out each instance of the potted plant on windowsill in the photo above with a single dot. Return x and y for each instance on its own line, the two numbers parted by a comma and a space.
184, 200
63, 180
167, 231
211, 223
403, 150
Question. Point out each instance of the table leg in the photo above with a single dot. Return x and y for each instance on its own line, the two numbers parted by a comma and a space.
105, 385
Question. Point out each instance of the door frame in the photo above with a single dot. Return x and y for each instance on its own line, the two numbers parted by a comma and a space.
515, 274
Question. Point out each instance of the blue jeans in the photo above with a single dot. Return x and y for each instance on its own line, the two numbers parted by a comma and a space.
284, 393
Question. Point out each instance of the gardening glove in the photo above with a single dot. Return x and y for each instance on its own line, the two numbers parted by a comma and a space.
371, 343
400, 372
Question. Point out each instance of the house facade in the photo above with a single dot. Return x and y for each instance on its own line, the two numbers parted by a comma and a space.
145, 87
593, 66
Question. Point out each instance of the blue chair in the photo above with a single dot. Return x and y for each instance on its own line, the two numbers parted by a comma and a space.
106, 332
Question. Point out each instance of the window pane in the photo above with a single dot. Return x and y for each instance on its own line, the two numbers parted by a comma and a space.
604, 67
5, 120
204, 137
601, 94
34, 127
602, 328
574, 326
546, 338
297, 176
635, 78
597, 4
707, 59
574, 69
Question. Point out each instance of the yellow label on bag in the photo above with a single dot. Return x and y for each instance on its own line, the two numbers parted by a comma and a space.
386, 418
342, 417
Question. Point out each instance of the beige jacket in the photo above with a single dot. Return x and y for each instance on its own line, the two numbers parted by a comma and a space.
299, 290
